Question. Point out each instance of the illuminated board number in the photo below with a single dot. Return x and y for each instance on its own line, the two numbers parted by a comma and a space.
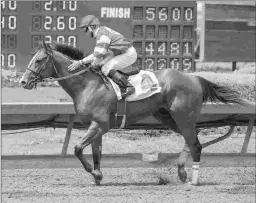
187, 64
161, 64
48, 5
175, 14
36, 23
149, 64
2, 60
72, 5
161, 48
187, 48
72, 41
12, 22
188, 14
174, 48
72, 23
11, 60
11, 41
47, 22
163, 14
61, 23
12, 5
61, 39
61, 5
174, 63
150, 48
2, 22
2, 5
48, 39
150, 13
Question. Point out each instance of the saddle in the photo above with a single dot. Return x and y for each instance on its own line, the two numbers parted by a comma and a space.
145, 82
129, 71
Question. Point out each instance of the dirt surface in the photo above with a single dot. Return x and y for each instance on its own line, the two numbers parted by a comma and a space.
217, 185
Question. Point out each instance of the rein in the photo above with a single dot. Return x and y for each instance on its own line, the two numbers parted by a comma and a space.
50, 79
65, 77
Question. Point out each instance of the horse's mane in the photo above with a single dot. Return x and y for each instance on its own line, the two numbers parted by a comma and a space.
67, 50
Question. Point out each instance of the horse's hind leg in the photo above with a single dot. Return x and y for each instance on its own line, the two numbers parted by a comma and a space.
97, 153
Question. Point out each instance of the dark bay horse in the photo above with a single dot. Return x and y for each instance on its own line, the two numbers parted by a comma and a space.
177, 106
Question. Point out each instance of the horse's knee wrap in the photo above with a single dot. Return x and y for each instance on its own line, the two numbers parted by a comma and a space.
77, 150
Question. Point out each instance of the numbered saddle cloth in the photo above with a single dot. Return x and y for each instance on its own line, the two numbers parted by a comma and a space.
145, 83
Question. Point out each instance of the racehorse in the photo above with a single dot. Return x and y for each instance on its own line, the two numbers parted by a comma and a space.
177, 106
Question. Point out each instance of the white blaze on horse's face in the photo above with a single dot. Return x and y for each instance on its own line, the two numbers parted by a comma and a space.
33, 67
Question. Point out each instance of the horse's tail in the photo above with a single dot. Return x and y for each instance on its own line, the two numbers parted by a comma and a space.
213, 92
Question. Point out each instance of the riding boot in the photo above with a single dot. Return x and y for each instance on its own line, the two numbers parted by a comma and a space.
126, 88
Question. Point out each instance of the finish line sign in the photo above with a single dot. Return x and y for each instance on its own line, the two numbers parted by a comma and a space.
109, 12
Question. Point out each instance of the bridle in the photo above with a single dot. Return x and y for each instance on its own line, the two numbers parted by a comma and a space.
38, 75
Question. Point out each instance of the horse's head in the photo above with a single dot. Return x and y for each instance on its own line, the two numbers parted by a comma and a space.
40, 67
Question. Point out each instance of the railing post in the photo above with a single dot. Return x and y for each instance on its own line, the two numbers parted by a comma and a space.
68, 134
233, 65
247, 136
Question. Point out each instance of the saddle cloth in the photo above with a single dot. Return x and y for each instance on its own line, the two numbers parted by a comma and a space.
145, 83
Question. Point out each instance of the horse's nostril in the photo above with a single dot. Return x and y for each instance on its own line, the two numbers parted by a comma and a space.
23, 83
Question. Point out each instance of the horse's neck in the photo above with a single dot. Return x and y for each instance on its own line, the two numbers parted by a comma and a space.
73, 85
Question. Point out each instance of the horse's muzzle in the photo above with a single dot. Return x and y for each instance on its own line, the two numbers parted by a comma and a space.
26, 85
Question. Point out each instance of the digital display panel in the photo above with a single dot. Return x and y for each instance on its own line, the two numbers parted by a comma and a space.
162, 32
164, 35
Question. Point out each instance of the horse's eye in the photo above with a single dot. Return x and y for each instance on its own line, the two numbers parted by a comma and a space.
38, 61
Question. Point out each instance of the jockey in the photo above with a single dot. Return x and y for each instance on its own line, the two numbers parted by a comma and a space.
112, 50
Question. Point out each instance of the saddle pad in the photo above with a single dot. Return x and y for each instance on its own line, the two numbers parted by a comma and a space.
145, 83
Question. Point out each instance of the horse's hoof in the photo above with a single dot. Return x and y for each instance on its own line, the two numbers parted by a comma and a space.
192, 184
182, 175
97, 175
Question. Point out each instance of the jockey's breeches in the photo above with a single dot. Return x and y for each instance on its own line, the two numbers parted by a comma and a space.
121, 61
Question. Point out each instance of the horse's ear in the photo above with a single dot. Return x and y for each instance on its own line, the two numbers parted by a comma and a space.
45, 46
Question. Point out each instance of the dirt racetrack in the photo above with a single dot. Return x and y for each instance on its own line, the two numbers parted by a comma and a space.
217, 185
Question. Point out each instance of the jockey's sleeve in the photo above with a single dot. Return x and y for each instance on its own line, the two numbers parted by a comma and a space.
102, 45
88, 59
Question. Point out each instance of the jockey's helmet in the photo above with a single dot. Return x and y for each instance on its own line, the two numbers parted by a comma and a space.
89, 20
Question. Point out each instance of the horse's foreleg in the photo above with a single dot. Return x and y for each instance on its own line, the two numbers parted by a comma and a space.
97, 153
181, 163
94, 131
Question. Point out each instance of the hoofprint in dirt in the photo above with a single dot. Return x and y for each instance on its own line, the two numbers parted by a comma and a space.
218, 185
49, 141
